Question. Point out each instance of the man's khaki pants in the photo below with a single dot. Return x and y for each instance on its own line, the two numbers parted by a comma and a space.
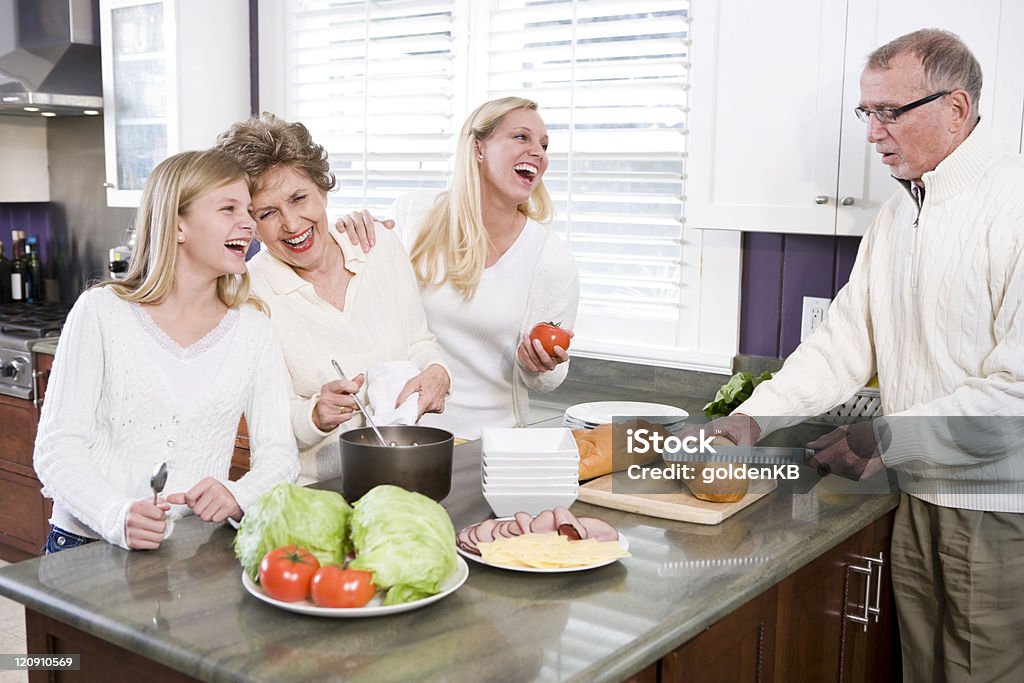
958, 578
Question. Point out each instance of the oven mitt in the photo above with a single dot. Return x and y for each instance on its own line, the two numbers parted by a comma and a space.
384, 382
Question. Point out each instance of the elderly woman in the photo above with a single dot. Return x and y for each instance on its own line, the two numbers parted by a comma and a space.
328, 299
488, 270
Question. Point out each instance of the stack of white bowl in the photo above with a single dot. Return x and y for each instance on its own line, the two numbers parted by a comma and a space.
529, 470
591, 415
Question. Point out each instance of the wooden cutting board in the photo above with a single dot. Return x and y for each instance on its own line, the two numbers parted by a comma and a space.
675, 503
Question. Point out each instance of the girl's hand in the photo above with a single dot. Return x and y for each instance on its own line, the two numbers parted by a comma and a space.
432, 385
533, 358
336, 404
209, 500
145, 523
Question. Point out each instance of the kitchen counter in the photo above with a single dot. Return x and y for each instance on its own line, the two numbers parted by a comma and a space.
184, 606
47, 346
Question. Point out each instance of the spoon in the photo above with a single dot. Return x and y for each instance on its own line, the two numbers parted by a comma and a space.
158, 480
359, 404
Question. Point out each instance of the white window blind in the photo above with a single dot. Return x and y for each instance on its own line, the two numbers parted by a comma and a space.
611, 77
373, 81
385, 85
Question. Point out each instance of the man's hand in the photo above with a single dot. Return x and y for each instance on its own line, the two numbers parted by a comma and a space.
738, 428
360, 228
145, 523
209, 500
432, 385
336, 404
850, 451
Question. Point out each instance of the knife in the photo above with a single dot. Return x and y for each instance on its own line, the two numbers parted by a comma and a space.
746, 455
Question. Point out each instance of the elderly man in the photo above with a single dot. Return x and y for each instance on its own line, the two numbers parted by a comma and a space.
935, 306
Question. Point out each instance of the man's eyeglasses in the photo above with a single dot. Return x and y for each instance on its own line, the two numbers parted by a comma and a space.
890, 115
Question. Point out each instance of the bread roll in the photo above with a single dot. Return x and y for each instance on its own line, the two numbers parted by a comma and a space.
597, 452
719, 490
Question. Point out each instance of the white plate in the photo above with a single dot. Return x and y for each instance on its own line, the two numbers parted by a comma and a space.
602, 412
570, 423
623, 542
374, 608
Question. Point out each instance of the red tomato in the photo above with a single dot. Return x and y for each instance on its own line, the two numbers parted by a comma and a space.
286, 572
336, 587
550, 335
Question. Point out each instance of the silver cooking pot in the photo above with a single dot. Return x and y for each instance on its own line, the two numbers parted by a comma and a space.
420, 461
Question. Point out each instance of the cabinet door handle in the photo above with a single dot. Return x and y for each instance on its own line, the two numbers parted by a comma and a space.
880, 562
821, 199
35, 391
869, 574
863, 619
848, 201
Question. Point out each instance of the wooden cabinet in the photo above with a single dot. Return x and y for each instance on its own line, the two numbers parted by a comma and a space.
774, 144
175, 75
24, 513
738, 648
805, 628
240, 457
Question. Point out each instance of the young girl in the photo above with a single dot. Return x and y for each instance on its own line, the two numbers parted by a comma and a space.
160, 366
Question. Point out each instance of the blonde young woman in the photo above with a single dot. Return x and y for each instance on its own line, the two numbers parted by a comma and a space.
160, 367
488, 270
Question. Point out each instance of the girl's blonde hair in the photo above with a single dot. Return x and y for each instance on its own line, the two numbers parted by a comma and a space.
170, 190
452, 244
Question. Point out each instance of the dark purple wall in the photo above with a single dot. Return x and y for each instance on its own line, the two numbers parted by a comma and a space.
32, 217
778, 272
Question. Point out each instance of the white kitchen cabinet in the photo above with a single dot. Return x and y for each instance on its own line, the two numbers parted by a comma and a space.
24, 173
774, 143
175, 75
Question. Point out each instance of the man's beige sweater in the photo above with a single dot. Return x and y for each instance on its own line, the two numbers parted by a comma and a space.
935, 305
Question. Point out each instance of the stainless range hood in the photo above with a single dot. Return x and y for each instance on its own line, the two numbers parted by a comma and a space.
49, 58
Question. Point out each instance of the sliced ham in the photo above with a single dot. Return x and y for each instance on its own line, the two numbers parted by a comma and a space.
485, 531
523, 519
501, 529
567, 524
599, 529
544, 523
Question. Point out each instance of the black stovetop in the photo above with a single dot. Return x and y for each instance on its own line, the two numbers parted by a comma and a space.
31, 321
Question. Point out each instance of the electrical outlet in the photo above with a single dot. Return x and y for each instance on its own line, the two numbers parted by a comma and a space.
815, 312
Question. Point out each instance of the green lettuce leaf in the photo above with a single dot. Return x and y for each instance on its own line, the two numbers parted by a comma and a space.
288, 514
734, 392
406, 540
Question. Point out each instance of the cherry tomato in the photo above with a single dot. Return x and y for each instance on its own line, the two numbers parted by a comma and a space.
550, 335
286, 572
333, 586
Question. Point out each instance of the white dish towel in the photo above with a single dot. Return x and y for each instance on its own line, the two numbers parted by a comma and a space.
384, 382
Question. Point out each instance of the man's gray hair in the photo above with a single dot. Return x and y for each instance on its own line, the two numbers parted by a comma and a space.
948, 63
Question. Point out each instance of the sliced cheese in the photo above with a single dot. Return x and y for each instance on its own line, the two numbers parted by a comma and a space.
549, 551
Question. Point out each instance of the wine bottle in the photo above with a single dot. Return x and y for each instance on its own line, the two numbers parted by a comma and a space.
34, 290
5, 277
17, 268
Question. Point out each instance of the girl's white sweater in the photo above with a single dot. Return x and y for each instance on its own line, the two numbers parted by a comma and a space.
109, 418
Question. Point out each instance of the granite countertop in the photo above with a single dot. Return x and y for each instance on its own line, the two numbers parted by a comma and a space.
184, 605
47, 345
